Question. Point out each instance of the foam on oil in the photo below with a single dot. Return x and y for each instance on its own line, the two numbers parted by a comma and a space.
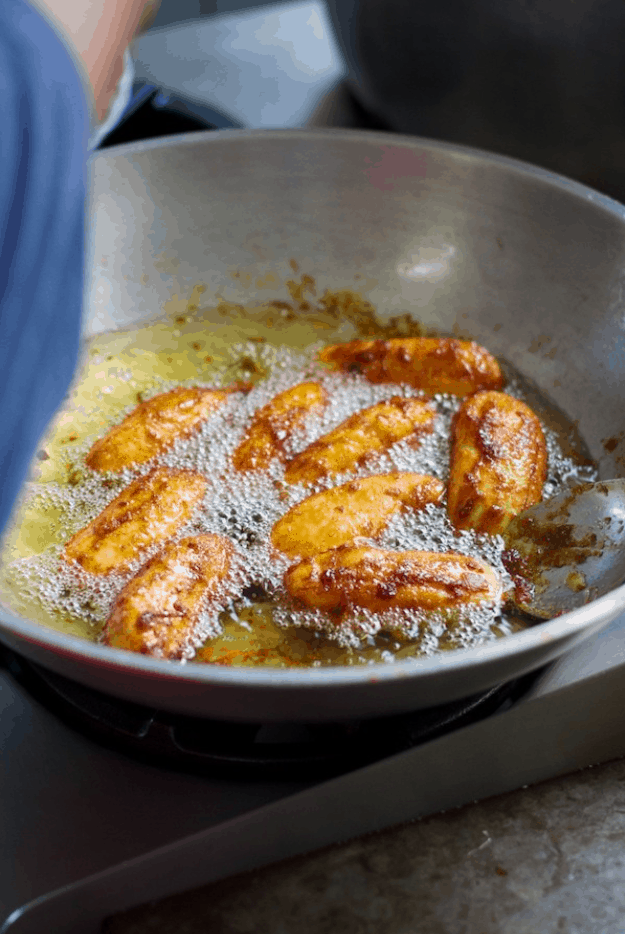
262, 626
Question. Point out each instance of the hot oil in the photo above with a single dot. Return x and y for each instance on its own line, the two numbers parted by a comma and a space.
272, 347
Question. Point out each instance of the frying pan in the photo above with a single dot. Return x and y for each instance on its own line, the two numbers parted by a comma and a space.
524, 261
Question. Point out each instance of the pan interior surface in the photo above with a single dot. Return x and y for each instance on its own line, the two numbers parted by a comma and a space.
237, 345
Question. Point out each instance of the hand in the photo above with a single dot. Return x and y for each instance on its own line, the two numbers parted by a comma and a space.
100, 31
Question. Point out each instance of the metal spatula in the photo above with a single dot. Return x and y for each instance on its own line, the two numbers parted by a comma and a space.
571, 548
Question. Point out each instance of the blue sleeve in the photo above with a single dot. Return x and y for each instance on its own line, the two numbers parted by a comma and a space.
43, 133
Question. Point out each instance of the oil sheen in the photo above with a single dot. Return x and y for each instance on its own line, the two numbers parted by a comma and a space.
272, 347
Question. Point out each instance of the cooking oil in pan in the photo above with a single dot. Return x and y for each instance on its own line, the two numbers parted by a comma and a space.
272, 347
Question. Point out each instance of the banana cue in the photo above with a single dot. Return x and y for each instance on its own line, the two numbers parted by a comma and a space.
171, 603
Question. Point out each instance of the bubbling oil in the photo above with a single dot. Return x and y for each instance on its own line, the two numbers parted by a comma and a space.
274, 349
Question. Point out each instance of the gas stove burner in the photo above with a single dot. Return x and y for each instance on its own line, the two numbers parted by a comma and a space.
283, 751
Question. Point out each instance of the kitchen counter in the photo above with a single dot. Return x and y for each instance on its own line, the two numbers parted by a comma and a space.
548, 858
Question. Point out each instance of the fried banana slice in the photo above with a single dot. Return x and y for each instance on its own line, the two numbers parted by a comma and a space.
379, 580
271, 426
364, 434
361, 508
148, 511
159, 611
153, 426
498, 462
428, 363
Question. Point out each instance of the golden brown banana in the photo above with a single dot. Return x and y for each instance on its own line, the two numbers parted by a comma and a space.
361, 508
271, 425
364, 434
153, 426
149, 510
159, 611
428, 363
378, 580
498, 462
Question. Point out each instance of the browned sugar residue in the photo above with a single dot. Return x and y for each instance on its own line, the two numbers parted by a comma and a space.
611, 444
328, 308
519, 571
537, 546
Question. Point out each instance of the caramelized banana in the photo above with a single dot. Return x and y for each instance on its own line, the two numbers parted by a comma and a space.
366, 433
498, 462
150, 510
159, 611
153, 426
428, 363
378, 580
361, 508
271, 425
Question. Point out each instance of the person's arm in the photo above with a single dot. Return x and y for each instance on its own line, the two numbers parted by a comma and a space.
45, 116
99, 31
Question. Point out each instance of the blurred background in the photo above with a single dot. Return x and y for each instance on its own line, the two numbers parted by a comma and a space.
541, 80
231, 63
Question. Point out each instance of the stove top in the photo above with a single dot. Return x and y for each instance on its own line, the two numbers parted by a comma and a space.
88, 831
250, 751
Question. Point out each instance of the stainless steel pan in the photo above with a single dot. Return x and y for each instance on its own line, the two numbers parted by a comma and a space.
526, 262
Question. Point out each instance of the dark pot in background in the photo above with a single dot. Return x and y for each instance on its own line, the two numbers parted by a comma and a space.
540, 81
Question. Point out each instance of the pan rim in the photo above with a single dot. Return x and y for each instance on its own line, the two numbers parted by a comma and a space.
600, 611
563, 628
221, 137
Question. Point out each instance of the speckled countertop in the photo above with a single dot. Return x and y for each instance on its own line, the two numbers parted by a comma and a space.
548, 858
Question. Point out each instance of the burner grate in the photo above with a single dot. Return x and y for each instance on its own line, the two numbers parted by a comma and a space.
255, 751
